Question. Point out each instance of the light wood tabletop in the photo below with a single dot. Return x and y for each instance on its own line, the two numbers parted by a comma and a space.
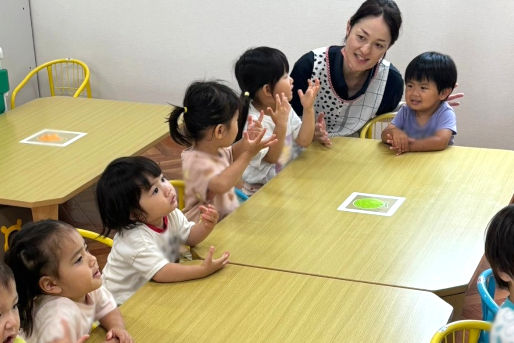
433, 242
245, 304
42, 177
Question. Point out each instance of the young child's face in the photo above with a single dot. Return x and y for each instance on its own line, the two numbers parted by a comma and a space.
9, 317
284, 85
159, 200
78, 270
423, 96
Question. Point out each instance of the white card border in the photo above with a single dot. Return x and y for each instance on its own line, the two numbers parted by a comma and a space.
392, 210
78, 135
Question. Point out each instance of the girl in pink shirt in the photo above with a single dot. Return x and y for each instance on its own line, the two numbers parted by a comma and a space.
213, 164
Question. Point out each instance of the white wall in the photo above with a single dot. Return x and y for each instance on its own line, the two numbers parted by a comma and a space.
16, 42
151, 50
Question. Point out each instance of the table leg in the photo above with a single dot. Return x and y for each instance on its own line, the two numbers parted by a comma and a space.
45, 212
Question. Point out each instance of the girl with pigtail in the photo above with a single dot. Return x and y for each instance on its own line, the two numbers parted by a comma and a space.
263, 74
212, 163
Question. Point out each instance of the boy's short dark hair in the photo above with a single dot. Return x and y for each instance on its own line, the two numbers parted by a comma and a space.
433, 66
499, 244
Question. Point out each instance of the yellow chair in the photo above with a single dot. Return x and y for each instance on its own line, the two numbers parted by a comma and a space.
66, 76
95, 236
469, 329
373, 128
7, 232
180, 187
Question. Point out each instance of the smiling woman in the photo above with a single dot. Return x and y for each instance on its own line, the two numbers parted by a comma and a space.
357, 83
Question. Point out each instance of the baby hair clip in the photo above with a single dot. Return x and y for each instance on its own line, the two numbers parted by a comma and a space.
247, 94
185, 109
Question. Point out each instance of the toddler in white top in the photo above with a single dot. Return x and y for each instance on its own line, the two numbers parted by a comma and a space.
135, 199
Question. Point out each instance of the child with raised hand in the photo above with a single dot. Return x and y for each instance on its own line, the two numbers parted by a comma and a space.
135, 199
499, 251
213, 164
58, 281
263, 76
427, 122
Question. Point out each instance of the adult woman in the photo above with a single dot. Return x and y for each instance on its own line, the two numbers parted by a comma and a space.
357, 83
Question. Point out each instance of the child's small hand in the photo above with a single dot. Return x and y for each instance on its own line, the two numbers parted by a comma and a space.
307, 99
399, 141
211, 265
253, 146
254, 127
281, 113
118, 335
320, 131
209, 216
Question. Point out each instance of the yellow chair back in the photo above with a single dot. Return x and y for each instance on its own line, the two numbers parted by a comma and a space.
180, 187
7, 232
373, 128
95, 236
463, 330
66, 76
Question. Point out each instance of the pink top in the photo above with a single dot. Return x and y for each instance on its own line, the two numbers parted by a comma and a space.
198, 168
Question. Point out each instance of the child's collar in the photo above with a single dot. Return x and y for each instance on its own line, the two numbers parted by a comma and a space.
159, 229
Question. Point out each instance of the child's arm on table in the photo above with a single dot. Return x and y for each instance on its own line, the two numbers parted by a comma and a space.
173, 272
306, 133
395, 137
439, 141
113, 323
243, 152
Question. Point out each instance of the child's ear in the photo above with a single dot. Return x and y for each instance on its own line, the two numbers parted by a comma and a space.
443, 95
267, 91
219, 131
49, 286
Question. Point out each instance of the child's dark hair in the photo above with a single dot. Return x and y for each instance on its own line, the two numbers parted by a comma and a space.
256, 68
499, 244
433, 66
34, 252
388, 9
206, 104
6, 276
119, 189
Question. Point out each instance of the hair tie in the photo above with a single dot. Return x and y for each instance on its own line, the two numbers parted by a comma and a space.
247, 94
185, 109
181, 124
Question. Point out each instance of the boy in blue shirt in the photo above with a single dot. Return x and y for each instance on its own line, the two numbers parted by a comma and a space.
499, 251
426, 122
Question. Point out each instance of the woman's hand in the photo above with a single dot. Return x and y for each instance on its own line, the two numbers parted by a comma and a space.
453, 97
320, 131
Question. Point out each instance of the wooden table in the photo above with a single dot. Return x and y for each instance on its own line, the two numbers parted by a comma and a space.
42, 177
245, 304
433, 242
